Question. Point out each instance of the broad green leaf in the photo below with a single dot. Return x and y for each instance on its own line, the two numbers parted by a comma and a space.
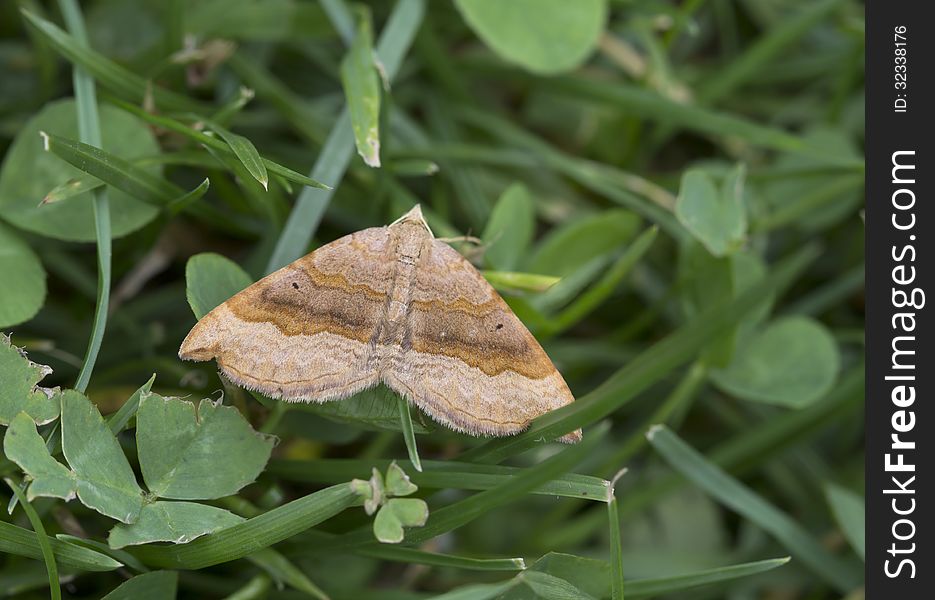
23, 280
510, 228
397, 482
245, 151
176, 522
20, 390
29, 172
362, 89
590, 576
793, 362
715, 217
543, 36
396, 514
197, 453
24, 446
849, 512
155, 585
840, 573
106, 481
570, 246
210, 279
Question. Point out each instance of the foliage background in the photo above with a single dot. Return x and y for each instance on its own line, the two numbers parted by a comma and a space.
734, 127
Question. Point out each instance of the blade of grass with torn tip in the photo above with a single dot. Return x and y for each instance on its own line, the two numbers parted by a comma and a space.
394, 41
253, 534
209, 141
244, 150
22, 542
362, 89
841, 574
437, 474
647, 368
650, 588
89, 130
44, 544
111, 75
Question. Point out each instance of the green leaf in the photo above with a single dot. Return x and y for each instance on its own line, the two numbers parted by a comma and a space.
210, 279
543, 36
20, 390
849, 512
72, 188
29, 172
23, 280
22, 542
24, 446
651, 588
792, 362
396, 514
362, 89
155, 585
245, 151
106, 481
841, 574
397, 482
176, 522
510, 228
191, 453
478, 591
717, 218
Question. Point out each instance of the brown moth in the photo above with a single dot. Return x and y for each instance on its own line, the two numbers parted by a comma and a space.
389, 305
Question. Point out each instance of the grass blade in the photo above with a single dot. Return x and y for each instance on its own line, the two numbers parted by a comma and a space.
210, 141
44, 545
650, 588
434, 559
336, 154
715, 481
253, 534
408, 434
362, 89
22, 542
245, 151
89, 129
118, 421
111, 75
438, 474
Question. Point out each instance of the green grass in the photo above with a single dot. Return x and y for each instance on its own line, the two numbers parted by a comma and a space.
657, 203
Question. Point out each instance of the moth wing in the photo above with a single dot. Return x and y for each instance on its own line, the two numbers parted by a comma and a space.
303, 332
472, 364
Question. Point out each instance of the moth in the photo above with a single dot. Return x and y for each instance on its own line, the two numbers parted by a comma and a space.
389, 305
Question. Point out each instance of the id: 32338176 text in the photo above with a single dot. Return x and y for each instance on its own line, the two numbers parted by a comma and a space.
901, 73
